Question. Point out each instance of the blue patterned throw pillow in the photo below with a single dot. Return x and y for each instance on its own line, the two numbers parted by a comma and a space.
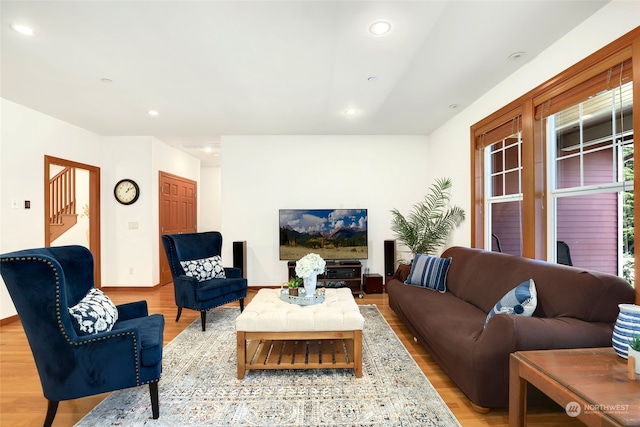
519, 301
429, 272
94, 313
204, 269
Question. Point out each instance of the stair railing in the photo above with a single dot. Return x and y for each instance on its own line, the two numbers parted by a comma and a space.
62, 191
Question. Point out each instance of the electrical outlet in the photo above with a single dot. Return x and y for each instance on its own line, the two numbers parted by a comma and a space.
130, 270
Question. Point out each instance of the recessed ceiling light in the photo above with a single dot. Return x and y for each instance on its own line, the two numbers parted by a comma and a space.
24, 30
453, 106
515, 56
106, 80
379, 28
153, 113
372, 79
351, 111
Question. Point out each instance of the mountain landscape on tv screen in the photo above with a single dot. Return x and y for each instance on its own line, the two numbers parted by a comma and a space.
326, 233
340, 237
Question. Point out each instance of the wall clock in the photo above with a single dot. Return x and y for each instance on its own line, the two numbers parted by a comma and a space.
126, 191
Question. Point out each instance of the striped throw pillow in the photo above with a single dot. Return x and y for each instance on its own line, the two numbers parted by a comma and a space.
519, 301
429, 272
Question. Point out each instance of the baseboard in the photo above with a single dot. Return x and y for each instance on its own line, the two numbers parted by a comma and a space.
131, 288
10, 319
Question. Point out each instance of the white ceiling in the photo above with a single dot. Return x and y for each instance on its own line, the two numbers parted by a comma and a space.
213, 68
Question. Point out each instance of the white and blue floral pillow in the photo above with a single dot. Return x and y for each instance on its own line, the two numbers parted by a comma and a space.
519, 301
94, 313
204, 269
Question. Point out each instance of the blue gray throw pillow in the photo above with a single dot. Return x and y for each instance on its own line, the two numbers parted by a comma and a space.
519, 301
204, 269
94, 313
429, 272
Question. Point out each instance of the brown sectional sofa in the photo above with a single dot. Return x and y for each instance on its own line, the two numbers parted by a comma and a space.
576, 308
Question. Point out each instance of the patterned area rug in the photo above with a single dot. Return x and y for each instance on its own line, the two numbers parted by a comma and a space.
199, 386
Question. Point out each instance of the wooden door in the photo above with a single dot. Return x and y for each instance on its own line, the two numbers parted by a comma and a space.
178, 213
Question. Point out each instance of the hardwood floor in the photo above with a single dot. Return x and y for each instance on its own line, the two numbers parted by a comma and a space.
22, 403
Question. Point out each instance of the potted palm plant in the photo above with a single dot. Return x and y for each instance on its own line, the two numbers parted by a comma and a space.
428, 226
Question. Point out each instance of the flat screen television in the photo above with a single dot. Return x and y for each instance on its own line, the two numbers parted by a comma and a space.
334, 234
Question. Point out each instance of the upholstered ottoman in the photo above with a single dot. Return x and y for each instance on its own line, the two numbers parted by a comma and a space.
274, 334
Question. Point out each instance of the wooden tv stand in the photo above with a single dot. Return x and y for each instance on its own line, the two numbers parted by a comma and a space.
349, 272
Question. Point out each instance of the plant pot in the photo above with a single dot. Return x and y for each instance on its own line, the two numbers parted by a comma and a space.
626, 327
636, 356
293, 292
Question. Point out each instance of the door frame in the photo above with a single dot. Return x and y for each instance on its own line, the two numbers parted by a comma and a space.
94, 208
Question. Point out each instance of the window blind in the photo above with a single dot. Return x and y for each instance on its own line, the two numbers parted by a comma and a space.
585, 85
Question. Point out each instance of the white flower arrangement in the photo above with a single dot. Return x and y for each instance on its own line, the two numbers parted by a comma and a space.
310, 264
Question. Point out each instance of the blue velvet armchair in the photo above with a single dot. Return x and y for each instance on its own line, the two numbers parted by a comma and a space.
202, 291
43, 284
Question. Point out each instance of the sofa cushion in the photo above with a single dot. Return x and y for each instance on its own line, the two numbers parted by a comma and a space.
520, 301
94, 313
213, 289
204, 269
429, 272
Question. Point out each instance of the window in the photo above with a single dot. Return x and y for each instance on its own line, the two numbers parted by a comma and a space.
590, 146
503, 173
564, 182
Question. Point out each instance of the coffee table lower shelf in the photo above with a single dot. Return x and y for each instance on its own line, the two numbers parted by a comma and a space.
300, 350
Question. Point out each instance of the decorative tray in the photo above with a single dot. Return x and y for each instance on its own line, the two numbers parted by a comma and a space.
301, 300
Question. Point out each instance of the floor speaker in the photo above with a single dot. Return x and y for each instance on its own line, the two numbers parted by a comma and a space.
240, 257
389, 259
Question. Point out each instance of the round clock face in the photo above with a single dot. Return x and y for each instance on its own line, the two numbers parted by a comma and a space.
126, 191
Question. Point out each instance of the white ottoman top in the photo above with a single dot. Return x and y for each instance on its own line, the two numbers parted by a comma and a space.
268, 313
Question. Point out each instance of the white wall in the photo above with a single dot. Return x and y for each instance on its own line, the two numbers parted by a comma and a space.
26, 136
262, 174
209, 203
130, 236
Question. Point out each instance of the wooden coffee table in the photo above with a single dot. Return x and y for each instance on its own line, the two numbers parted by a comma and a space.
273, 334
590, 383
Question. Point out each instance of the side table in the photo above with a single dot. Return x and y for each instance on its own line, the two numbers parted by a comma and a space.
590, 383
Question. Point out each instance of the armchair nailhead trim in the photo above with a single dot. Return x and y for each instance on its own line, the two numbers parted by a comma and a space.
82, 341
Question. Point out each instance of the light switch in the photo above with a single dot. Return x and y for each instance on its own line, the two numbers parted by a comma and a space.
133, 225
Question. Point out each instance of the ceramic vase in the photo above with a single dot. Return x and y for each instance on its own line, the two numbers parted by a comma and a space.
626, 327
310, 285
